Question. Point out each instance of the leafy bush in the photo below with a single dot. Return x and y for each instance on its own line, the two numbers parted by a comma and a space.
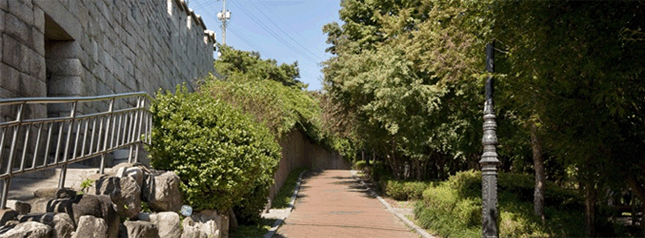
360, 165
220, 154
453, 208
403, 190
281, 108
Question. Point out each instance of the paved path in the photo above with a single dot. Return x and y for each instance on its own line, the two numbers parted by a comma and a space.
332, 204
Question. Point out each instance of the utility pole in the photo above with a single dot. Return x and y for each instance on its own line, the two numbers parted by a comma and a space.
223, 16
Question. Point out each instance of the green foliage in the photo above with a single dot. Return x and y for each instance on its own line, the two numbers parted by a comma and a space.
412, 100
86, 184
360, 165
262, 89
246, 63
220, 154
403, 190
282, 199
278, 107
146, 208
453, 208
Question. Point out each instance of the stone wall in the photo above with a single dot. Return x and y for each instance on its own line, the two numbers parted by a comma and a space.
99, 47
299, 152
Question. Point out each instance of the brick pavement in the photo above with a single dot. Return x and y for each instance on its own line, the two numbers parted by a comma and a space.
332, 204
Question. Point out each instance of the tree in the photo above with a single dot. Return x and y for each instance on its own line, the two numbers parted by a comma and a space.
249, 63
407, 107
570, 71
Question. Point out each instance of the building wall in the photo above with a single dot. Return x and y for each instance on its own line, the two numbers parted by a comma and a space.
99, 47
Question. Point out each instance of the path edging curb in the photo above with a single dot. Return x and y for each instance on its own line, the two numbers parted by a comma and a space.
278, 222
389, 208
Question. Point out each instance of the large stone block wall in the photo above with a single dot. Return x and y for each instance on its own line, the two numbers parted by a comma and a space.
99, 47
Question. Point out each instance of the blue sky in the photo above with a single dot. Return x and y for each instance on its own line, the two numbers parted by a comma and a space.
287, 31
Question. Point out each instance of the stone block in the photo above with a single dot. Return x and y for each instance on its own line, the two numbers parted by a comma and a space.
14, 53
65, 86
2, 15
23, 10
36, 61
10, 78
42, 74
38, 43
18, 29
32, 87
4, 6
64, 67
65, 49
39, 19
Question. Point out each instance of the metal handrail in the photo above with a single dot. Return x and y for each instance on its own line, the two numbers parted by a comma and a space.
70, 139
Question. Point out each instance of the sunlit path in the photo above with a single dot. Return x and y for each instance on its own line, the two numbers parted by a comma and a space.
332, 204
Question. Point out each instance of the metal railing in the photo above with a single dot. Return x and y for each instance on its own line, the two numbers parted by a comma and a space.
29, 145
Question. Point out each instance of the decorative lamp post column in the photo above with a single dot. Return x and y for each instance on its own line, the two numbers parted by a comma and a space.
489, 159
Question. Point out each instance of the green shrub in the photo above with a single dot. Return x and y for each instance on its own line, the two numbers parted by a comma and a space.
220, 154
360, 165
453, 208
403, 190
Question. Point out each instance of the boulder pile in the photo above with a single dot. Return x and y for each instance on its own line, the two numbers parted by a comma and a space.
112, 208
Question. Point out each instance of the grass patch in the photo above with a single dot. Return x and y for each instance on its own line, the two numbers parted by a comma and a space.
453, 208
282, 199
255, 230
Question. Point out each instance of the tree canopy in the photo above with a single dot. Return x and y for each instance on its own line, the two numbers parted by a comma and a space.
570, 75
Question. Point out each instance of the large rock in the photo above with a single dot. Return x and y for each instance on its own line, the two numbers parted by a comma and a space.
7, 215
162, 192
106, 185
168, 223
207, 223
55, 193
62, 224
134, 172
131, 193
91, 227
100, 206
141, 229
194, 229
21, 207
30, 229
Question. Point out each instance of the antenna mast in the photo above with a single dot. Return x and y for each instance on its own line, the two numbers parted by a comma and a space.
223, 16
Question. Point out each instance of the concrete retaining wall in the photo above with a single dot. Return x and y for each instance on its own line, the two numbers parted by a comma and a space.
299, 152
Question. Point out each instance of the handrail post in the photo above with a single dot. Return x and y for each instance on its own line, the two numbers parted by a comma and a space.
63, 171
140, 106
12, 154
107, 130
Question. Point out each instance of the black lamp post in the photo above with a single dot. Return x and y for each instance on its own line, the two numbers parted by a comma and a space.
489, 159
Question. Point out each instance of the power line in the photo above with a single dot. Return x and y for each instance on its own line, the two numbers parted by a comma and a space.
275, 35
247, 41
282, 21
279, 28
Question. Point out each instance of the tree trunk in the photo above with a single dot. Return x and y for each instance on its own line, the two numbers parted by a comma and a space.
590, 211
540, 177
